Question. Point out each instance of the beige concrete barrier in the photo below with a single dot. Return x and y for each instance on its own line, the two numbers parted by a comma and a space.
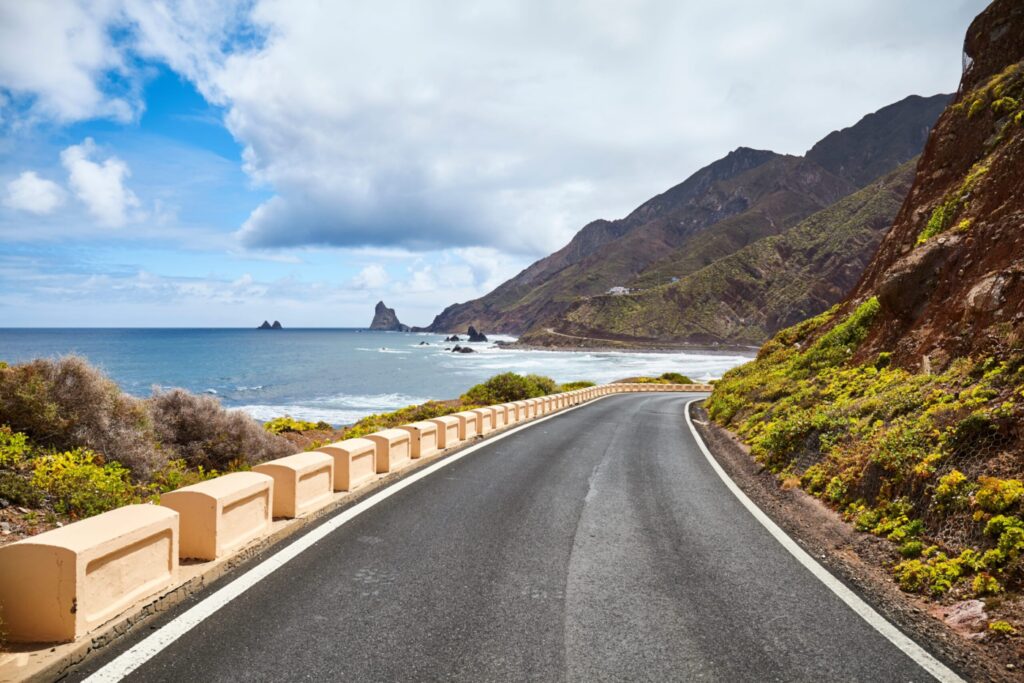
61, 584
511, 413
221, 515
500, 415
447, 431
485, 417
423, 438
394, 449
355, 462
469, 424
303, 482
522, 410
532, 407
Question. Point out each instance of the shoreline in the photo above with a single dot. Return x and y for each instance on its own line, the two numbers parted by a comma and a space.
722, 350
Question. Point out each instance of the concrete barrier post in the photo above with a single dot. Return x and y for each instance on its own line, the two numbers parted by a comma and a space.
469, 424
303, 482
499, 416
355, 462
423, 438
394, 449
61, 584
447, 431
221, 515
485, 420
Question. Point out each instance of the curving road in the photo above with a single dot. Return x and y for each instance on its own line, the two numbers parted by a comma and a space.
597, 545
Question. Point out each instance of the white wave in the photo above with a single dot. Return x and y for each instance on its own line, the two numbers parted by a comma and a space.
336, 410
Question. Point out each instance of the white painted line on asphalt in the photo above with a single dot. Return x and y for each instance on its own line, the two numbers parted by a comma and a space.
925, 660
146, 649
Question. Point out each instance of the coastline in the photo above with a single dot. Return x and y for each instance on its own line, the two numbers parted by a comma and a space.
608, 346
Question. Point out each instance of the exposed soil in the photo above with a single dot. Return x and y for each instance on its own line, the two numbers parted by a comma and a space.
861, 561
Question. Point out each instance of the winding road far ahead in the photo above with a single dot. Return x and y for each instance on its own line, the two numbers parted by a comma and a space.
596, 545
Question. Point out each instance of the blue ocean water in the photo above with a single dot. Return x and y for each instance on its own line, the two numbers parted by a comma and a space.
336, 375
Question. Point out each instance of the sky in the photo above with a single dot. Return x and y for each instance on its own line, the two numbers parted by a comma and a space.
211, 163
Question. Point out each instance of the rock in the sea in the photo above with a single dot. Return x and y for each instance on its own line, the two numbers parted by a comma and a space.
267, 326
475, 336
384, 318
424, 343
453, 338
462, 349
276, 326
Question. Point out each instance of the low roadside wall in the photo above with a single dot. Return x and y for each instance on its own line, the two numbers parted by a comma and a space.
67, 584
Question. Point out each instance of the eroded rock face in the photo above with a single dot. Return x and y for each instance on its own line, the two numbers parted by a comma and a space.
384, 319
950, 273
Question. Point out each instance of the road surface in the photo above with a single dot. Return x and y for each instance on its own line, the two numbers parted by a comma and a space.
597, 545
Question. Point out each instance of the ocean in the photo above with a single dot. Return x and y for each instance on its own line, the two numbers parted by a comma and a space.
334, 375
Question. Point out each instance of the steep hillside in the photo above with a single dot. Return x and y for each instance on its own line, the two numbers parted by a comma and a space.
746, 196
903, 407
746, 296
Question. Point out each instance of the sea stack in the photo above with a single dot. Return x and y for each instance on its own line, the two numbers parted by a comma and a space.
384, 319
475, 336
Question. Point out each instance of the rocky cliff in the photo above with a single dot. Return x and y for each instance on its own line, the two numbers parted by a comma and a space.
384, 319
903, 407
732, 203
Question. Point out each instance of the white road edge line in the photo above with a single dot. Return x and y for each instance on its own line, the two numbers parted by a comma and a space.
134, 657
921, 656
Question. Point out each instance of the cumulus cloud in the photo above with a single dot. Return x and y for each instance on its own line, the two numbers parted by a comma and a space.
503, 125
509, 125
58, 52
28, 192
100, 185
373, 276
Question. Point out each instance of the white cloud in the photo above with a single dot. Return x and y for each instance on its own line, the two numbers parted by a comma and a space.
510, 125
59, 52
373, 276
28, 192
100, 185
505, 125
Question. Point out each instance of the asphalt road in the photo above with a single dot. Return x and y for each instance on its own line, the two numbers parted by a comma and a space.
598, 545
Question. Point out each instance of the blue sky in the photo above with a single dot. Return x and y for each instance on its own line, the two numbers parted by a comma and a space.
200, 163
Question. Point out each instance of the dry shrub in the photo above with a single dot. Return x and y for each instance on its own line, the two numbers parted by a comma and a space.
199, 430
65, 404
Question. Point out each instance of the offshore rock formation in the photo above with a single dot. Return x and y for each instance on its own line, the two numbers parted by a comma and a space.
384, 319
267, 326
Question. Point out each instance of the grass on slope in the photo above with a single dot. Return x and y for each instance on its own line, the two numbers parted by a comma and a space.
773, 283
929, 461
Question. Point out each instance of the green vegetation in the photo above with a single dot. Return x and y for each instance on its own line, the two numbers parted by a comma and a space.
573, 386
906, 456
945, 213
675, 378
73, 445
1002, 628
768, 284
64, 405
289, 424
509, 386
424, 411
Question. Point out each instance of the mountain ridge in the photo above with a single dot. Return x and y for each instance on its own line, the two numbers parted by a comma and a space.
735, 201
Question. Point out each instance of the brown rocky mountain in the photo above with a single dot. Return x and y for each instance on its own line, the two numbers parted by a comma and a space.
732, 203
744, 297
950, 273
